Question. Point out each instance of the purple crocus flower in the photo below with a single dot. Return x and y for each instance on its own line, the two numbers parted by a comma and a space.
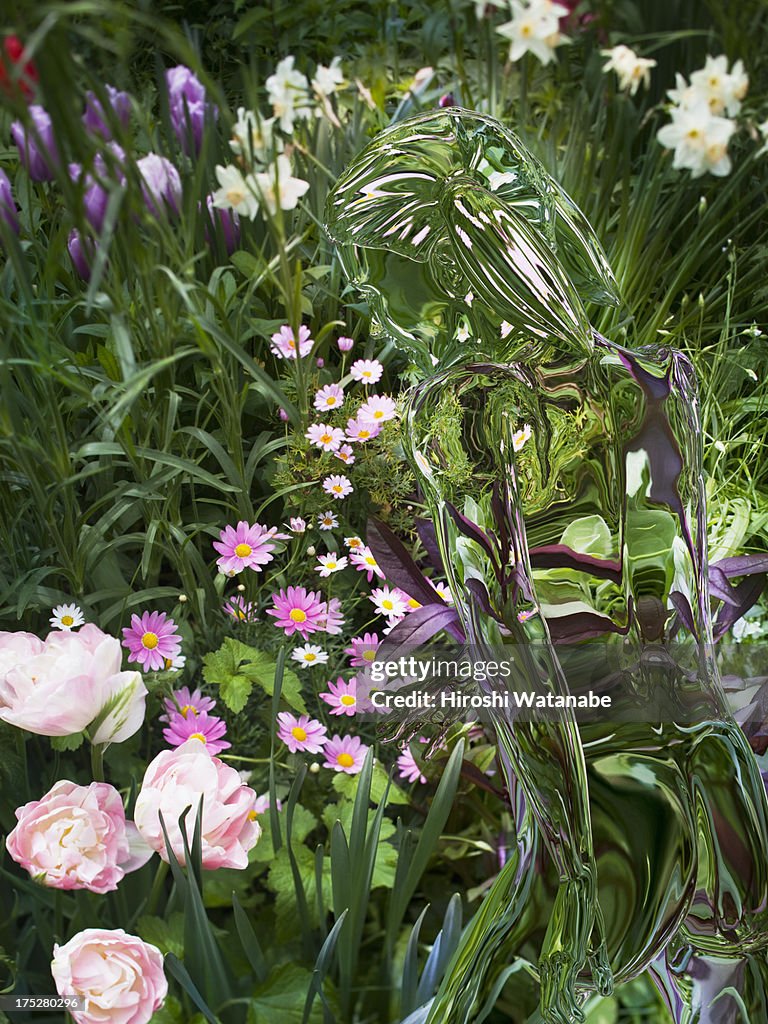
81, 251
8, 209
227, 220
96, 120
188, 106
37, 148
161, 183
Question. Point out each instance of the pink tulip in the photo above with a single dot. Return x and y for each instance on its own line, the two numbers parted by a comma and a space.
69, 682
73, 838
178, 779
119, 976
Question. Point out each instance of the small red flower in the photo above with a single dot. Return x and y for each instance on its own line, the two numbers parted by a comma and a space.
10, 58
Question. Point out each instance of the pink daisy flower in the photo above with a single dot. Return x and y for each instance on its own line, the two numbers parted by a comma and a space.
187, 702
342, 696
325, 437
333, 621
363, 649
297, 525
407, 768
345, 755
360, 431
152, 640
262, 804
378, 409
327, 521
330, 563
345, 454
240, 609
389, 601
297, 610
204, 727
367, 371
284, 342
337, 487
443, 591
329, 397
345, 344
245, 546
363, 560
303, 733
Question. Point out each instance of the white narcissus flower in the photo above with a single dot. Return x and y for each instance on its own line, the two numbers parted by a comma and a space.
288, 92
277, 187
700, 141
631, 70
534, 28
253, 136
328, 79
722, 90
236, 192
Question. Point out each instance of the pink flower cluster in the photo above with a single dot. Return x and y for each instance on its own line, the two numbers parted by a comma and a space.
307, 735
298, 610
187, 717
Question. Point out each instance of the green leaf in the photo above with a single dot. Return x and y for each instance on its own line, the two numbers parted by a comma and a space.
236, 668
72, 742
169, 1013
347, 785
282, 998
167, 935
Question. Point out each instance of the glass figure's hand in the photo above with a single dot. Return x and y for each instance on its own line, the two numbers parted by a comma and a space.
574, 937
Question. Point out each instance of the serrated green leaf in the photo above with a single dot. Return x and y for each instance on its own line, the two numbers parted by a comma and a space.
346, 785
167, 935
236, 668
282, 997
72, 742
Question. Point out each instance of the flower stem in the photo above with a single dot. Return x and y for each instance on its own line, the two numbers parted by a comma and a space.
97, 762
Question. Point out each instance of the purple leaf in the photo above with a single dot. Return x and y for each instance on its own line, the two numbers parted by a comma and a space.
397, 564
719, 586
742, 565
473, 531
479, 591
581, 626
683, 609
418, 627
426, 531
747, 594
560, 556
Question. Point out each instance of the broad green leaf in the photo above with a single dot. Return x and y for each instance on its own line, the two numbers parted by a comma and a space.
167, 935
236, 668
281, 998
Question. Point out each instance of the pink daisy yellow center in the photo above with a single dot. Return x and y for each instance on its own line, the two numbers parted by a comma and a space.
298, 733
149, 641
297, 615
348, 700
345, 760
243, 550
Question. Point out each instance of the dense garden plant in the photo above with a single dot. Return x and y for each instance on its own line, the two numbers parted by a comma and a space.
207, 524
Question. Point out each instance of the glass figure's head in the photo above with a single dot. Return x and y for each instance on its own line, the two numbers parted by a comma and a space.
457, 237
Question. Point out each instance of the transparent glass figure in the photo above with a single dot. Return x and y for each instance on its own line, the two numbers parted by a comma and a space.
564, 477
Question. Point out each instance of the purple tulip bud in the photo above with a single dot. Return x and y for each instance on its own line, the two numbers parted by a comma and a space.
320, 362
37, 148
188, 106
95, 119
81, 251
96, 189
283, 415
160, 183
227, 220
447, 100
8, 209
345, 344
